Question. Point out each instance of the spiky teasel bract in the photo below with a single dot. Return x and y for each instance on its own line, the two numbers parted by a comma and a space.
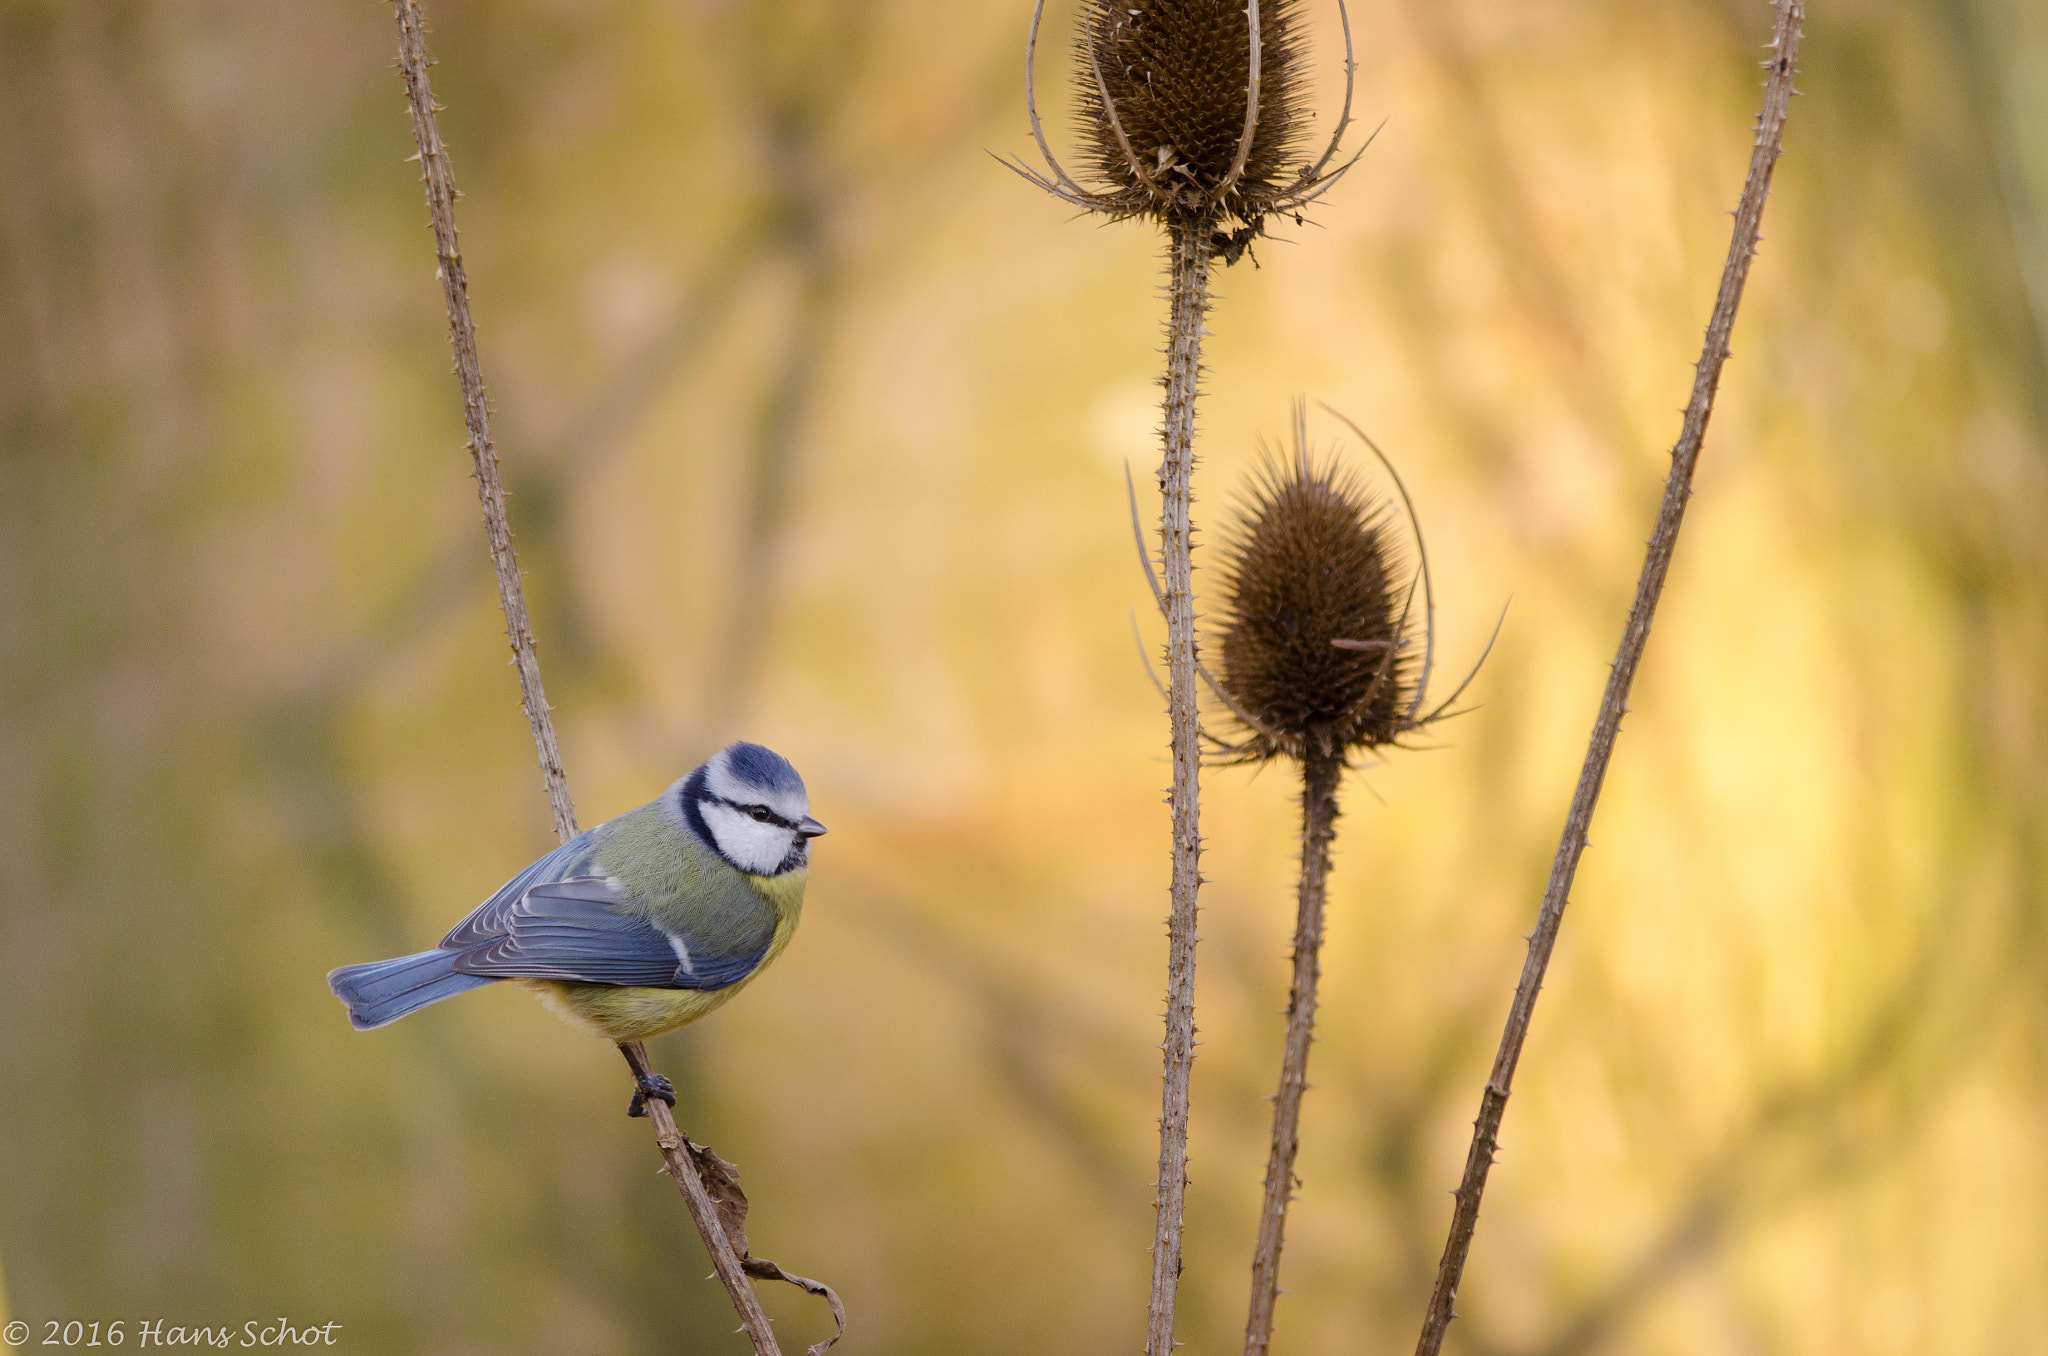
1193, 111
1317, 634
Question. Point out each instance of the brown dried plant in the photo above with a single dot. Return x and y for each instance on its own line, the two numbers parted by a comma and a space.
1318, 665
1158, 136
1191, 113
1316, 629
1314, 644
1769, 138
1317, 638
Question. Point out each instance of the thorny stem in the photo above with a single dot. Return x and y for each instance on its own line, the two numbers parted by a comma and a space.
434, 168
476, 413
725, 1261
1319, 777
1770, 131
1190, 254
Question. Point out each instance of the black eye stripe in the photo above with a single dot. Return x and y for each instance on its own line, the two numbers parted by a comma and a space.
748, 810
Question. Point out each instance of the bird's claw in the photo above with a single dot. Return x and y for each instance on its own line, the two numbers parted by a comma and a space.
650, 1085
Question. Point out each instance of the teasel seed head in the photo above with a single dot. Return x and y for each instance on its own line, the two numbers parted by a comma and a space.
1165, 122
1193, 112
1316, 634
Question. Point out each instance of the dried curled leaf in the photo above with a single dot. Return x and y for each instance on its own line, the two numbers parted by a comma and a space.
762, 1269
722, 1182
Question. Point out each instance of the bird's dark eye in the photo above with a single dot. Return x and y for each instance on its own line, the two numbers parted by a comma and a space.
759, 814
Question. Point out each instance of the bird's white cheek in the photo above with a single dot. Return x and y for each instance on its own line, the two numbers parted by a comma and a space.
746, 842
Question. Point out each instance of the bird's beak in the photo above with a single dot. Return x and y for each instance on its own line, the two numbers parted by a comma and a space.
811, 828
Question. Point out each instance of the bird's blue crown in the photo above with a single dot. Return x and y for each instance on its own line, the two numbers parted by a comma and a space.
763, 768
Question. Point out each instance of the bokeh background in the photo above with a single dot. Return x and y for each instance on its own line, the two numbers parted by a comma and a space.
815, 421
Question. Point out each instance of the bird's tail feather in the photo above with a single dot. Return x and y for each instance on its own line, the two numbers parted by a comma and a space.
381, 992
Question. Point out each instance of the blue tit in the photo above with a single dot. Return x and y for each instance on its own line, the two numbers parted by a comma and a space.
638, 926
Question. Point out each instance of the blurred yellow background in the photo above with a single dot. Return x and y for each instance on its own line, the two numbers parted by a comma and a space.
814, 420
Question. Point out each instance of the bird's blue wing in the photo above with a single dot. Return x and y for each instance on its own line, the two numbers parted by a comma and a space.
488, 920
573, 930
581, 930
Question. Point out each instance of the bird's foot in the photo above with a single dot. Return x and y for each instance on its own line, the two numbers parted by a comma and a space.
650, 1085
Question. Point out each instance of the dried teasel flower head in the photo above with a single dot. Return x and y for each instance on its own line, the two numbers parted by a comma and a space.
1193, 111
1161, 87
1313, 633
1323, 647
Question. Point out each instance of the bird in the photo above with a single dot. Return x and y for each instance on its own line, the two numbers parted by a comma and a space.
643, 924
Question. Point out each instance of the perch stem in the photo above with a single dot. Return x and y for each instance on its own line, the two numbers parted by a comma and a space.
703, 1210
1319, 776
434, 168
476, 413
1770, 130
1190, 254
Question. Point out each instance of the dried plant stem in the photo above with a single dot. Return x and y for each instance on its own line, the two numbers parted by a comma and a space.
412, 61
433, 156
1770, 130
1190, 253
1319, 777
725, 1259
